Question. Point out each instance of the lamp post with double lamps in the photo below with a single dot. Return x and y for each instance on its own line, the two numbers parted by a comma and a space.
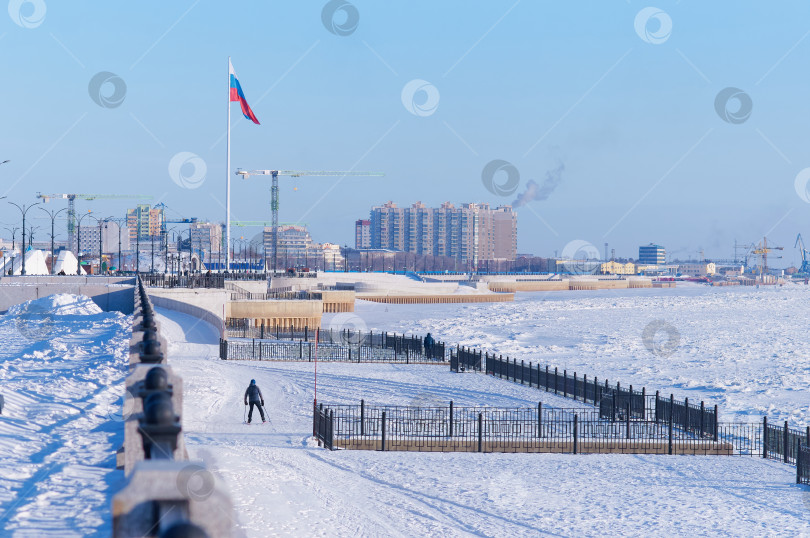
79, 243
23, 209
52, 215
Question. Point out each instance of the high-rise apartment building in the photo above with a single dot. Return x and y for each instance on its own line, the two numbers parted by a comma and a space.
206, 236
145, 221
470, 233
362, 234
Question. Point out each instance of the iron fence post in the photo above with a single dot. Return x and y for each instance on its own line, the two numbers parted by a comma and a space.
332, 429
565, 383
785, 443
530, 374
716, 421
702, 414
480, 432
628, 419
556, 377
451, 419
670, 430
613, 408
585, 388
382, 429
656, 407
362, 417
539, 419
576, 424
575, 385
546, 380
521, 371
765, 437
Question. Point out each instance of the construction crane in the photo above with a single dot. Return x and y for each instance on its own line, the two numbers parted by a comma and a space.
264, 223
181, 220
805, 268
274, 191
71, 218
762, 249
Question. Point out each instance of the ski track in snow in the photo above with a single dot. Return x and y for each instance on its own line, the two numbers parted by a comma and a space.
62, 365
282, 484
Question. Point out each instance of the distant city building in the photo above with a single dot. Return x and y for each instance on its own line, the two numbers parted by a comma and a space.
652, 255
206, 236
297, 249
145, 221
362, 234
618, 268
469, 233
89, 236
697, 269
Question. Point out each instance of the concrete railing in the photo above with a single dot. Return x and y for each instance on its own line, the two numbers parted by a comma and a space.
165, 494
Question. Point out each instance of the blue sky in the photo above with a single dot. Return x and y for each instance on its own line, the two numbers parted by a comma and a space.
646, 155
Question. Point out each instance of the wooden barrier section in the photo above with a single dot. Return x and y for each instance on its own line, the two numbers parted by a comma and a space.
284, 314
575, 284
440, 299
335, 301
528, 285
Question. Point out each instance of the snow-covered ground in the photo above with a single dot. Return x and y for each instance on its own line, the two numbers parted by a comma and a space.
62, 365
282, 484
745, 349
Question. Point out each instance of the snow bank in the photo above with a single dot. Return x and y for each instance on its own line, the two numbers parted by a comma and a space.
60, 304
62, 365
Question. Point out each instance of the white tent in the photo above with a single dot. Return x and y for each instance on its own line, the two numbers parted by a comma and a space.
34, 263
66, 262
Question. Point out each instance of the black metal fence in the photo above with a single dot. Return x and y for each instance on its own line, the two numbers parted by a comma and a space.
783, 443
540, 429
160, 280
402, 345
803, 465
267, 350
614, 402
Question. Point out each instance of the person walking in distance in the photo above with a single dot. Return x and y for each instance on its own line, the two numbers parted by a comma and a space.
254, 396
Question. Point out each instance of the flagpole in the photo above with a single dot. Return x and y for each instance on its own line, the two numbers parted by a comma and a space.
228, 181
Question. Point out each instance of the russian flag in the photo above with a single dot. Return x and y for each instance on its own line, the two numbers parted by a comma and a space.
238, 95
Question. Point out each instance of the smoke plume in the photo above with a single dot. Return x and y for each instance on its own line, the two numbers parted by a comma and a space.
540, 192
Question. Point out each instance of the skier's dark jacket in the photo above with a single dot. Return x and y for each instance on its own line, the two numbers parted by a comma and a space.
253, 394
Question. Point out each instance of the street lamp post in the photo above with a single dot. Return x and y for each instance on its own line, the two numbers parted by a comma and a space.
13, 232
79, 244
24, 209
53, 215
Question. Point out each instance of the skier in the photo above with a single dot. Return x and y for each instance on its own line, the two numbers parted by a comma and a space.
254, 395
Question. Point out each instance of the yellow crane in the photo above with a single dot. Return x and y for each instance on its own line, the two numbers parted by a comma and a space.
762, 250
